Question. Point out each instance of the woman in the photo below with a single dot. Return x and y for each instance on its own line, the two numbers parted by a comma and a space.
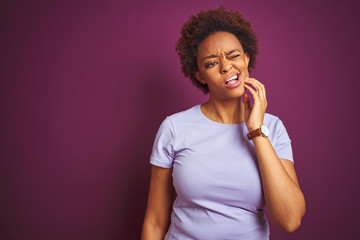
225, 159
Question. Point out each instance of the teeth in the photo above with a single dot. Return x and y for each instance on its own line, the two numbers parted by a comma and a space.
235, 77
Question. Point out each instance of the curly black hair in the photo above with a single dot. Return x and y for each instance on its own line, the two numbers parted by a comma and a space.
205, 23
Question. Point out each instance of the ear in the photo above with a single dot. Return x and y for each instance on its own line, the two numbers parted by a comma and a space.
199, 77
247, 59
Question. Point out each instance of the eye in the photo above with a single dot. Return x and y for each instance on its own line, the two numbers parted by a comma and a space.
209, 65
234, 56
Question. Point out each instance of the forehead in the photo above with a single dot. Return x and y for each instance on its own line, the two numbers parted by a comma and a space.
218, 43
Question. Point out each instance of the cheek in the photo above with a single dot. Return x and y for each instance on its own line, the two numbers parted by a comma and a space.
243, 65
209, 74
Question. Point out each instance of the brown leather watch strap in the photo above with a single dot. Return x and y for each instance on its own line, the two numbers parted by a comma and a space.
254, 134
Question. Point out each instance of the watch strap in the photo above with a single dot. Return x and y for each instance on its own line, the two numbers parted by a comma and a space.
255, 133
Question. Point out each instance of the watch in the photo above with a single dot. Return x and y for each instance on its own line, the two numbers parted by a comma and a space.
262, 131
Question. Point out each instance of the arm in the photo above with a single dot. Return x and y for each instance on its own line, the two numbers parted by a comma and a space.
157, 217
283, 196
284, 199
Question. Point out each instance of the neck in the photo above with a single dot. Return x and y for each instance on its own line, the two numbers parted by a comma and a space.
224, 111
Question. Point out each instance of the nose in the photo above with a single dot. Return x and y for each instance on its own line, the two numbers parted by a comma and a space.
225, 66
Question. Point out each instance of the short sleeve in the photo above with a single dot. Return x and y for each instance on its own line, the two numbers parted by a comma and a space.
282, 146
163, 149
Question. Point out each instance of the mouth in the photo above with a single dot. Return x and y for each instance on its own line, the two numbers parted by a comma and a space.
232, 80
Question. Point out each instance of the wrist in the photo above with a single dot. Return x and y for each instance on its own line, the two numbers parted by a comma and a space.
261, 131
250, 129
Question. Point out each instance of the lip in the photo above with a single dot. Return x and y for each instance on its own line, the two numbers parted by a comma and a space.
237, 83
230, 76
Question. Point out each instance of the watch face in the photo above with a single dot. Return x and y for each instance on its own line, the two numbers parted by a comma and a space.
265, 130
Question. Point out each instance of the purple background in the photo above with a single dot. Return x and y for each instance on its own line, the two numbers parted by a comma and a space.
86, 84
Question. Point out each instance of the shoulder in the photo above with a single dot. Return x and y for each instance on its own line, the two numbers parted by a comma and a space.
274, 124
185, 118
279, 137
180, 119
272, 121
185, 115
270, 117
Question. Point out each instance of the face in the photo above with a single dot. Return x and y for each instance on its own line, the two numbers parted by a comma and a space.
222, 65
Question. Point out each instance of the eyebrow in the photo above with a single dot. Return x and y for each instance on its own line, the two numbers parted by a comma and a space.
214, 55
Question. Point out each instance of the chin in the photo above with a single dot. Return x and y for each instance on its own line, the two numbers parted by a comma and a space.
237, 92
229, 94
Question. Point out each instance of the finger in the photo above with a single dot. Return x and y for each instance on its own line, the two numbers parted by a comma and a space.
262, 92
260, 88
255, 86
253, 93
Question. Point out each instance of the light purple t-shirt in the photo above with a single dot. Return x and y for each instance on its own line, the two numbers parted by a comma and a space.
215, 175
